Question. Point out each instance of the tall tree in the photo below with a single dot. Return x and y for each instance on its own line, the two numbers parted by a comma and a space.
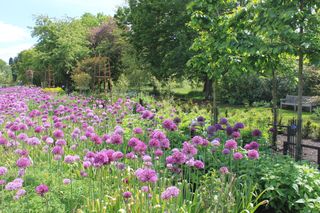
157, 30
296, 24
213, 55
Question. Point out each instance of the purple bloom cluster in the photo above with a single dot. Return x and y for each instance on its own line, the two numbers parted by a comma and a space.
170, 192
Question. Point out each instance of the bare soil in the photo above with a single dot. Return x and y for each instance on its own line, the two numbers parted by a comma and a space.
307, 153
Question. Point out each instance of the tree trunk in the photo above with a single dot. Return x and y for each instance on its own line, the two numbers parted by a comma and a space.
300, 88
214, 107
208, 88
274, 109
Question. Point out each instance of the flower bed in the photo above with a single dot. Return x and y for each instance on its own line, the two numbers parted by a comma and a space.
63, 154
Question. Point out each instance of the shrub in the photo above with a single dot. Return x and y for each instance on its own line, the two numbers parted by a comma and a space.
82, 80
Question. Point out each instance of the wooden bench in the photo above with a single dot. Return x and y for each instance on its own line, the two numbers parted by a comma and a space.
307, 101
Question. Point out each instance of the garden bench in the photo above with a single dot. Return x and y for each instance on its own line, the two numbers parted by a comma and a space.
307, 101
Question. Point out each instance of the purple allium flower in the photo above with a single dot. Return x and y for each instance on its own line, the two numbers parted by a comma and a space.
49, 141
116, 139
226, 151
237, 156
158, 152
133, 142
170, 192
3, 170
131, 155
169, 125
231, 144
86, 164
154, 143
58, 133
236, 135
96, 139
189, 149
23, 162
146, 158
117, 156
21, 172
137, 131
200, 119
229, 130
20, 193
42, 189
223, 121
215, 142
66, 181
2, 182
23, 137
127, 195
179, 157
218, 127
239, 125
146, 175
199, 164
224, 170
33, 141
140, 147
120, 166
57, 150
256, 133
70, 159
14, 185
145, 188
211, 130
253, 154
61, 142
177, 120
254, 145
197, 140
83, 174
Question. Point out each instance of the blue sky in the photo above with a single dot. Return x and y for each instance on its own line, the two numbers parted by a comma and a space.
17, 15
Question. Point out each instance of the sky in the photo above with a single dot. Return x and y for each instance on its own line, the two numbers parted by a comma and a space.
17, 16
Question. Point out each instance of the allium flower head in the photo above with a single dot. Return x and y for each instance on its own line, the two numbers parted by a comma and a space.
58, 133
42, 189
237, 156
231, 144
3, 170
224, 170
223, 121
170, 192
14, 185
146, 175
253, 154
127, 195
23, 162
256, 133
169, 125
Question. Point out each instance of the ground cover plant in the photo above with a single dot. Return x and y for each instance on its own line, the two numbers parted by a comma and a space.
80, 154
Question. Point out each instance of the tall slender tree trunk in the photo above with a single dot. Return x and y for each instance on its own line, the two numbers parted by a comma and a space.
207, 88
274, 109
214, 107
298, 150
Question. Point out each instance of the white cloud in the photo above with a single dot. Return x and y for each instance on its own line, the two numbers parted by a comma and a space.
12, 33
12, 51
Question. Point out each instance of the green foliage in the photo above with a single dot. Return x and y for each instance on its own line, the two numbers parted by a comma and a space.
5, 73
159, 34
82, 80
311, 86
295, 187
229, 193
